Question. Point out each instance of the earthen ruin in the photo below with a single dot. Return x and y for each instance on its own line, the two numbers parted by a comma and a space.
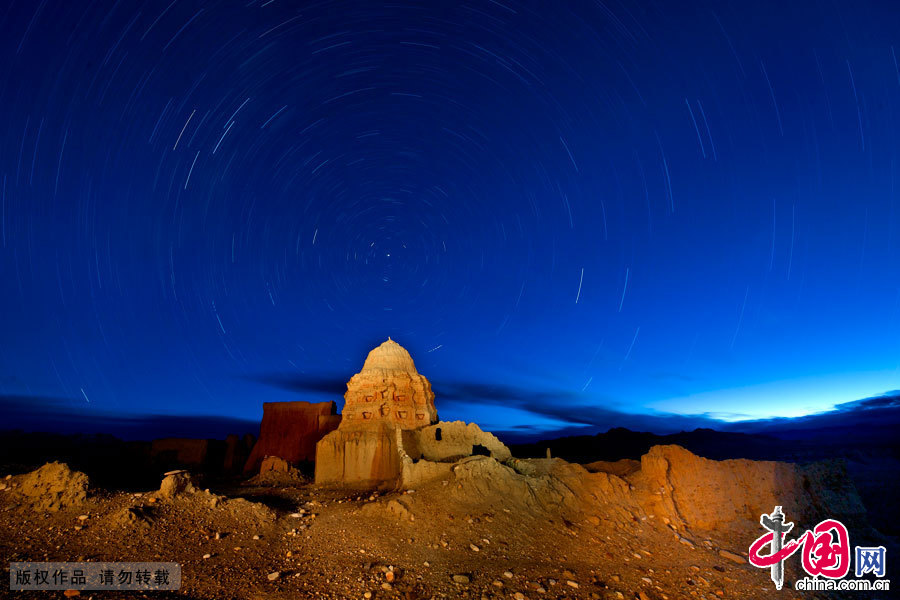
390, 435
290, 430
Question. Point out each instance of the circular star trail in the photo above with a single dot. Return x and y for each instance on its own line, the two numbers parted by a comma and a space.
609, 207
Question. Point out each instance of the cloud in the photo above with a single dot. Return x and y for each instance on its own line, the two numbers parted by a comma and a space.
566, 407
870, 417
293, 382
72, 416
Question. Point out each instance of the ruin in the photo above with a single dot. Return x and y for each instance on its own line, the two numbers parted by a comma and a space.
290, 430
390, 435
388, 389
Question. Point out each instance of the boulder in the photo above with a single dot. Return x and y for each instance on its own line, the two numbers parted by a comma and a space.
290, 430
176, 483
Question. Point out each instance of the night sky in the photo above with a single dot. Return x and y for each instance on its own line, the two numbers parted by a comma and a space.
569, 213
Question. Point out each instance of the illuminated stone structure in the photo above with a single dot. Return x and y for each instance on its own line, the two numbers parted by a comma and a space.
388, 390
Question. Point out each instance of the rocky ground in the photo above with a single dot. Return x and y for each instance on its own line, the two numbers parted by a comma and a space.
467, 536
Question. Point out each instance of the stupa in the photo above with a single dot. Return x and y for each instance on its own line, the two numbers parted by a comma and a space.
389, 389
389, 434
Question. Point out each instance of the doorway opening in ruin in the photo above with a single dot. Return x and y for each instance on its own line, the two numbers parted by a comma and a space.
437, 434
480, 450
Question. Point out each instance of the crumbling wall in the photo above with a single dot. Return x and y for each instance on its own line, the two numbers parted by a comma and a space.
360, 458
291, 430
696, 492
452, 440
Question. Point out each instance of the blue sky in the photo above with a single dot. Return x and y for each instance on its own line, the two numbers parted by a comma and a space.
638, 208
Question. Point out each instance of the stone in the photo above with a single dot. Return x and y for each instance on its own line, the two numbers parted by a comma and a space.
71, 593
273, 576
572, 584
291, 430
176, 483
733, 557
460, 578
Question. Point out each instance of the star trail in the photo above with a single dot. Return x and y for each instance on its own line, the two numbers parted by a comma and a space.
633, 207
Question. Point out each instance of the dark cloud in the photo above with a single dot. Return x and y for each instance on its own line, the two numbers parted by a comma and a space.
565, 406
874, 418
293, 382
64, 415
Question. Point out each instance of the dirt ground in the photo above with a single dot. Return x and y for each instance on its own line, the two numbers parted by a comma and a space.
329, 543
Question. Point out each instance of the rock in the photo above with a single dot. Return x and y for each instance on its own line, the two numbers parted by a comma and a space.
737, 558
206, 556
497, 583
273, 575
519, 596
572, 584
386, 586
474, 548
132, 516
53, 487
460, 578
508, 574
643, 596
71, 593
176, 483
367, 595
593, 520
